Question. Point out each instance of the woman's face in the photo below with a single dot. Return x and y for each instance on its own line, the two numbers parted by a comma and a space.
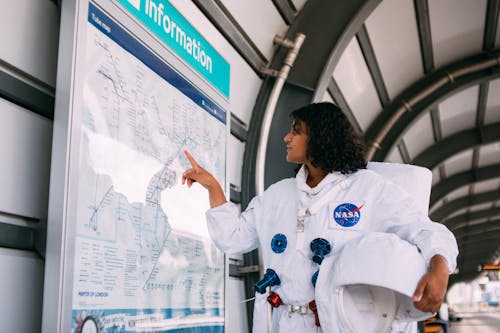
296, 143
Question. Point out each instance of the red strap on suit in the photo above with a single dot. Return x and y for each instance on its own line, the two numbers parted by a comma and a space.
314, 309
275, 300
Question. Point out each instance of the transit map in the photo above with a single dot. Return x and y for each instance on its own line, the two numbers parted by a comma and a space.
144, 261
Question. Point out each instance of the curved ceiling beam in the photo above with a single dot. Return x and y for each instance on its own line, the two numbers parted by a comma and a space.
483, 238
338, 22
486, 227
457, 143
472, 254
472, 233
489, 246
470, 237
446, 186
456, 221
474, 242
465, 274
488, 243
405, 108
467, 201
329, 26
456, 278
470, 260
483, 241
469, 256
463, 277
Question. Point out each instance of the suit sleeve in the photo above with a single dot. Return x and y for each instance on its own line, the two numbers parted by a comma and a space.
399, 214
234, 232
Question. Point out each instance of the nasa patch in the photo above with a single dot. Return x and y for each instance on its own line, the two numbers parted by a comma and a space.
347, 214
278, 243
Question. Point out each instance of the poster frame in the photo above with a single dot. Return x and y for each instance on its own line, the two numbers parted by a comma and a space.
61, 233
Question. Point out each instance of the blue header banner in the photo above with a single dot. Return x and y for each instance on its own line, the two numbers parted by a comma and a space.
162, 19
108, 27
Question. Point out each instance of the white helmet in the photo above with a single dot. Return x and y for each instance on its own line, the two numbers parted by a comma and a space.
415, 180
368, 284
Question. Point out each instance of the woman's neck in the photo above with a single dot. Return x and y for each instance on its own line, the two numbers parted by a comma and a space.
314, 175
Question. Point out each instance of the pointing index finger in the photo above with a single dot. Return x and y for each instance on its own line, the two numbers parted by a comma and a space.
190, 158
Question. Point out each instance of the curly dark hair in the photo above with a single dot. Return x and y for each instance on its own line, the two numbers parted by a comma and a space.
333, 144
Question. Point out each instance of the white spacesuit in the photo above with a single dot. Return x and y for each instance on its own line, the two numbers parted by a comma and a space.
289, 215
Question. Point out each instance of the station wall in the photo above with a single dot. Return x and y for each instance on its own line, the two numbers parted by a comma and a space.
28, 74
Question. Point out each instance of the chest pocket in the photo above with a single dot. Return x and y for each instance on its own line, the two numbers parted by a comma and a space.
349, 215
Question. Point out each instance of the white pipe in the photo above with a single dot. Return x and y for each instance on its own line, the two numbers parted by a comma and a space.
269, 111
266, 122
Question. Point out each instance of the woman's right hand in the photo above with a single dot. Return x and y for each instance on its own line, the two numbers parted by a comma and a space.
197, 174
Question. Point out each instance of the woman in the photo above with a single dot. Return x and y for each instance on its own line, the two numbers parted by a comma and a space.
332, 198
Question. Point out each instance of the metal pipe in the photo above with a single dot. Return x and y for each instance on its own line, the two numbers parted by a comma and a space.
406, 106
282, 75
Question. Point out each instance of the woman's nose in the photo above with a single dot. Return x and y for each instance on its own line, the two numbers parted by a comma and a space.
285, 138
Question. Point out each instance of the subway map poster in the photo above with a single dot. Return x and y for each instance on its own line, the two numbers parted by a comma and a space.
144, 261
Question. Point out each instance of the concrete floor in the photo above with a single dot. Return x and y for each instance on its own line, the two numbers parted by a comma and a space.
477, 323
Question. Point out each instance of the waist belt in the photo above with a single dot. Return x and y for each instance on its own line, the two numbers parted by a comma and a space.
300, 309
275, 301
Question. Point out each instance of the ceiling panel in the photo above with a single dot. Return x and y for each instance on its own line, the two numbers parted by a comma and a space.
458, 193
419, 136
484, 206
394, 156
299, 4
355, 82
495, 217
486, 186
489, 154
270, 22
458, 163
438, 205
455, 213
327, 97
492, 113
457, 28
436, 177
472, 222
396, 44
459, 111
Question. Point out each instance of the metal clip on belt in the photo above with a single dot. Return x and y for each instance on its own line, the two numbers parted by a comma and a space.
275, 301
300, 309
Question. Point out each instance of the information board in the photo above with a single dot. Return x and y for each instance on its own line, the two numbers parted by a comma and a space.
166, 23
143, 259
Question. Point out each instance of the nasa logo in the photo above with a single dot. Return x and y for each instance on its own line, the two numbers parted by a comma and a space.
347, 214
